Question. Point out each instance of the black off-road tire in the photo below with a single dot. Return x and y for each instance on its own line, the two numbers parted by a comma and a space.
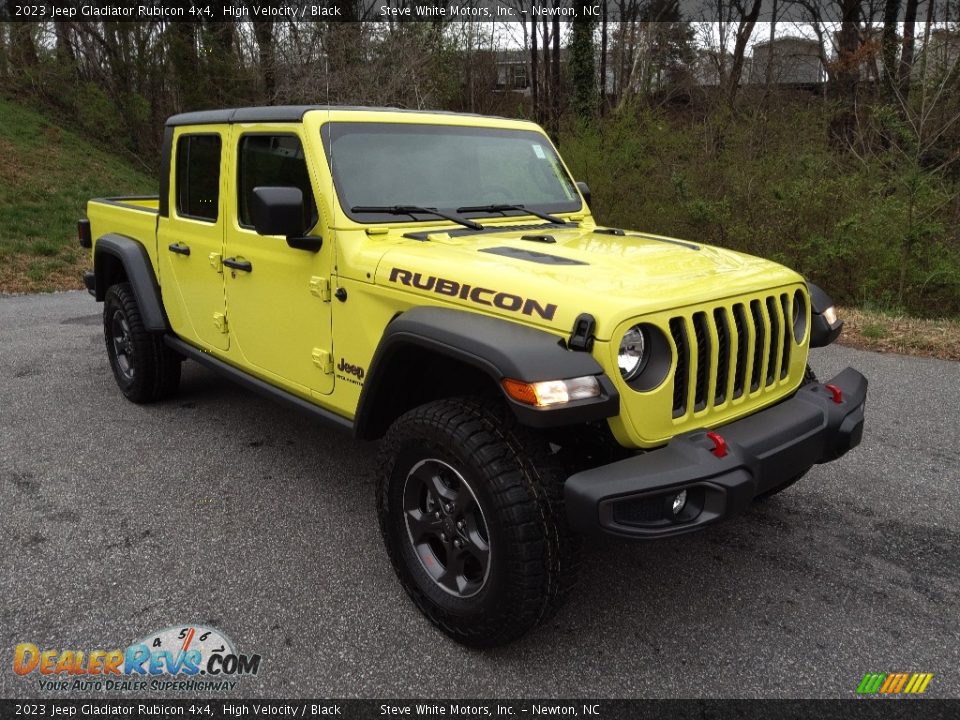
145, 369
809, 376
518, 486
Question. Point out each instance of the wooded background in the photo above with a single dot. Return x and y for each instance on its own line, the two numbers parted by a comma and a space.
852, 179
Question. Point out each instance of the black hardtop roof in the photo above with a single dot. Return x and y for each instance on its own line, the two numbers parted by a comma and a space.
282, 113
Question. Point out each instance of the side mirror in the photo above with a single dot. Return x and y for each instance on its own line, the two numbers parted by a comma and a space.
585, 191
279, 211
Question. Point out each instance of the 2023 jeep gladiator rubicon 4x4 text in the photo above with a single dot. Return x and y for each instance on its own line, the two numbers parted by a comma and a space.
437, 281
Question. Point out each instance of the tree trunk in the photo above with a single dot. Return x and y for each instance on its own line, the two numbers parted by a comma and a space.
581, 64
889, 45
603, 59
545, 89
23, 51
187, 86
555, 84
848, 70
906, 57
65, 55
4, 54
773, 35
744, 31
263, 32
534, 70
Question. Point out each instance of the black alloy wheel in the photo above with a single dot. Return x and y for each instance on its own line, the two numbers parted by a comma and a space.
446, 527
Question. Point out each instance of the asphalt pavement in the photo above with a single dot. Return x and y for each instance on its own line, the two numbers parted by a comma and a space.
221, 508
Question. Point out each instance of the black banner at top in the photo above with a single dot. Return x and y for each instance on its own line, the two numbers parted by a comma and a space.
796, 11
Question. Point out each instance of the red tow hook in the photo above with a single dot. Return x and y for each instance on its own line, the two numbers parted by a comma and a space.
836, 392
719, 444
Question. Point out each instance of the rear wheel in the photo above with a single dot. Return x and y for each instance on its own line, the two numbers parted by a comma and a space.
809, 376
471, 511
144, 367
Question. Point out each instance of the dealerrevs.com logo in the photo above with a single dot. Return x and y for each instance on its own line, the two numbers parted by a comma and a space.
894, 683
183, 657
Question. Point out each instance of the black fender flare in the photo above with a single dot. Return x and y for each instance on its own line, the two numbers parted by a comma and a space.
822, 333
498, 348
133, 256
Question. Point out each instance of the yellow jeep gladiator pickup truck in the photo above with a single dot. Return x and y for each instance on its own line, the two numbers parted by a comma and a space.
437, 281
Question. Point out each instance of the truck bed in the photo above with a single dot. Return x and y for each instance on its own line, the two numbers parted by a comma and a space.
131, 216
144, 203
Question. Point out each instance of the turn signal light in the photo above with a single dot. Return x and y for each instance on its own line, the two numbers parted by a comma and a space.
552, 392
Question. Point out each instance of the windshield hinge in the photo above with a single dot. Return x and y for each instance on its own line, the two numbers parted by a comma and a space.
320, 287
582, 336
322, 359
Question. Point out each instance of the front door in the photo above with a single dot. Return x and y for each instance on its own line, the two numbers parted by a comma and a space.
190, 239
278, 297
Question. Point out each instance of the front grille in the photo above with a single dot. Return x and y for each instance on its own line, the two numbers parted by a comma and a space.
736, 348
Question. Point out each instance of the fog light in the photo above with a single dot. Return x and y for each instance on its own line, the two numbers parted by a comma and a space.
679, 501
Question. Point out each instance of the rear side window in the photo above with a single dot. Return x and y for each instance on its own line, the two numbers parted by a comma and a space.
273, 161
198, 176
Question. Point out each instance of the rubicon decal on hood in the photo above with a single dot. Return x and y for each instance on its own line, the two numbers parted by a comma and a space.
475, 294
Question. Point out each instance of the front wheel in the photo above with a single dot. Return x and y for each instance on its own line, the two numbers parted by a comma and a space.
471, 511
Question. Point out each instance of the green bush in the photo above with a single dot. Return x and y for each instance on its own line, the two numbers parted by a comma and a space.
873, 231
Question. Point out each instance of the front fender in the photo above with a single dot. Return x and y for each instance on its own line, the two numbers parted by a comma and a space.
499, 349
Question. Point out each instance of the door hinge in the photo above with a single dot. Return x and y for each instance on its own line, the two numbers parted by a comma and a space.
320, 287
216, 262
220, 322
322, 359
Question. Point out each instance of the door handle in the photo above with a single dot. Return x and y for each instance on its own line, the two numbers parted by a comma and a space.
244, 265
179, 249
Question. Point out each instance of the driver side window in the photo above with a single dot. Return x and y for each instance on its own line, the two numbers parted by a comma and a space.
272, 161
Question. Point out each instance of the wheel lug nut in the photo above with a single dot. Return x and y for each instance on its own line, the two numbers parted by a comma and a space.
436, 514
461, 524
443, 537
448, 507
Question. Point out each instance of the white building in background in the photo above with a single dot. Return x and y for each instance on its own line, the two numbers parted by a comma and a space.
786, 61
941, 54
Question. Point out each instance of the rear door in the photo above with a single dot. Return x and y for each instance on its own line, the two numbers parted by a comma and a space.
279, 305
190, 238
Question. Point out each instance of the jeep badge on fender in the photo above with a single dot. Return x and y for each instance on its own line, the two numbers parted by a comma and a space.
533, 378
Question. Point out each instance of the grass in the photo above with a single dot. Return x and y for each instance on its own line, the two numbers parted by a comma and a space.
889, 332
47, 174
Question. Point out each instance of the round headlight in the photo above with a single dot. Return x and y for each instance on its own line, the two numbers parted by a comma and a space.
632, 354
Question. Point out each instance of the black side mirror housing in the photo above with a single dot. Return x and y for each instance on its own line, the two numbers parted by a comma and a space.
279, 211
585, 191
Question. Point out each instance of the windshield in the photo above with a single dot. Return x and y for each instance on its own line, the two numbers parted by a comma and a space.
376, 165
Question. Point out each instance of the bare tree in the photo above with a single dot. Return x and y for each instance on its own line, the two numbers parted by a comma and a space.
744, 13
906, 55
603, 57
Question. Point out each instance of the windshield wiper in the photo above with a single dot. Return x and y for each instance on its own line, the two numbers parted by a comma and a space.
411, 209
502, 208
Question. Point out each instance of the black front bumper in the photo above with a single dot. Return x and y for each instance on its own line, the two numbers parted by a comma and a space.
633, 498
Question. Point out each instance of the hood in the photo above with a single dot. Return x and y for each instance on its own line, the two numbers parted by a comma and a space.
556, 274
